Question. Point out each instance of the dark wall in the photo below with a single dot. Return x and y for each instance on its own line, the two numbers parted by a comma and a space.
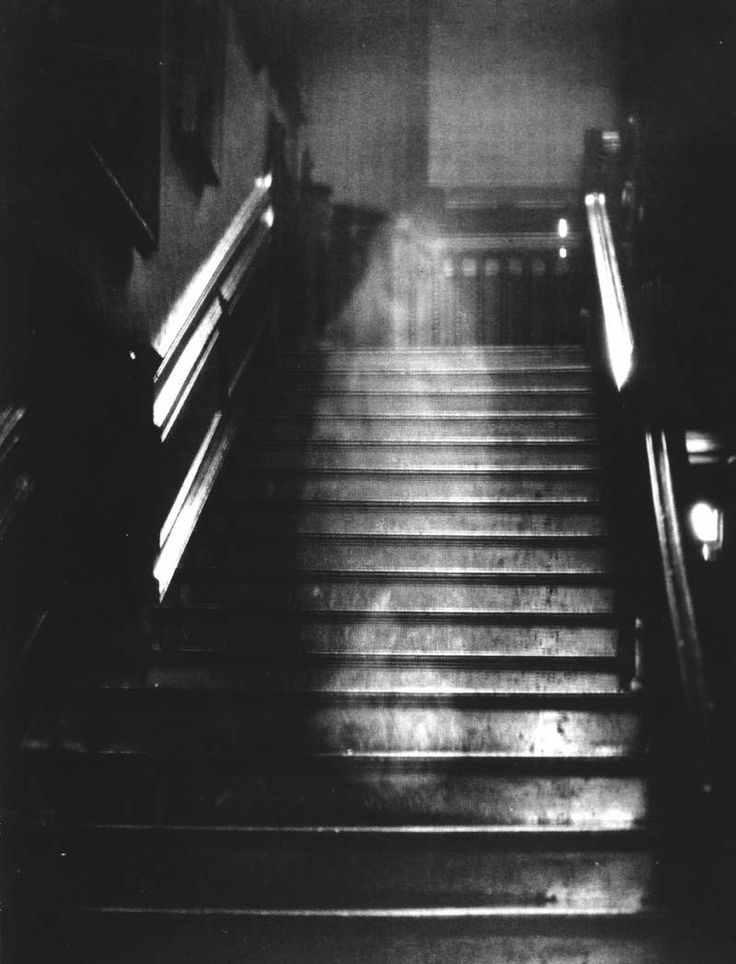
513, 86
682, 100
403, 95
58, 205
364, 81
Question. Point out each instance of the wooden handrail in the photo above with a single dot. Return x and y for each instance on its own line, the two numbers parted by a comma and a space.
680, 605
619, 336
191, 333
620, 348
194, 318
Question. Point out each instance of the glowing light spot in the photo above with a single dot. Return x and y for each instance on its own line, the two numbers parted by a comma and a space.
563, 228
269, 217
563, 252
706, 522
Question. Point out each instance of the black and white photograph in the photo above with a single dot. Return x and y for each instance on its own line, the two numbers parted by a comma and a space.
367, 481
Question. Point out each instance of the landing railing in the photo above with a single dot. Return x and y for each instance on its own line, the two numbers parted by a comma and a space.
484, 281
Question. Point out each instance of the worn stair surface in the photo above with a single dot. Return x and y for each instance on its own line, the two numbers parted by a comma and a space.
389, 718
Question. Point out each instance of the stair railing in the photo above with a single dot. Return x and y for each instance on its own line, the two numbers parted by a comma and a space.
621, 350
205, 352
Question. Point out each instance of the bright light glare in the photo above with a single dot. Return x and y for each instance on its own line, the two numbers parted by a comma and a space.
269, 217
265, 181
706, 522
619, 337
563, 252
563, 228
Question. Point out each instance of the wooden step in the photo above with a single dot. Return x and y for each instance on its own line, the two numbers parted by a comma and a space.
407, 402
168, 722
605, 794
560, 870
402, 554
488, 359
397, 428
511, 634
368, 673
419, 456
442, 592
448, 935
453, 520
428, 381
578, 485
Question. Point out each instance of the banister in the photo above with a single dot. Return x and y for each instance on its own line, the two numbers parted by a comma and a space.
191, 333
619, 336
620, 348
680, 603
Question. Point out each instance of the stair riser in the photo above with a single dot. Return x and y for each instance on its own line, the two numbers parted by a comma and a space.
471, 359
355, 520
368, 676
410, 488
444, 729
165, 939
400, 429
334, 555
427, 382
419, 457
232, 725
191, 869
405, 596
439, 403
369, 633
121, 790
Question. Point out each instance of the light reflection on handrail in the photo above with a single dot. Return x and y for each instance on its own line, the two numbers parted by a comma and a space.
680, 604
194, 317
195, 324
619, 337
620, 349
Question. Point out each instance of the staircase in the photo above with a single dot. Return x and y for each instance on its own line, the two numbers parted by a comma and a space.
388, 719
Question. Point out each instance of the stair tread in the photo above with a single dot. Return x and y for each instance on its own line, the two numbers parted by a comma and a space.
392, 934
390, 689
226, 867
470, 471
455, 762
344, 790
550, 441
583, 836
485, 575
447, 519
512, 505
426, 416
218, 670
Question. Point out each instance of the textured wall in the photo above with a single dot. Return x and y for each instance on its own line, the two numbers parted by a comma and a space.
125, 291
513, 85
363, 77
192, 221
